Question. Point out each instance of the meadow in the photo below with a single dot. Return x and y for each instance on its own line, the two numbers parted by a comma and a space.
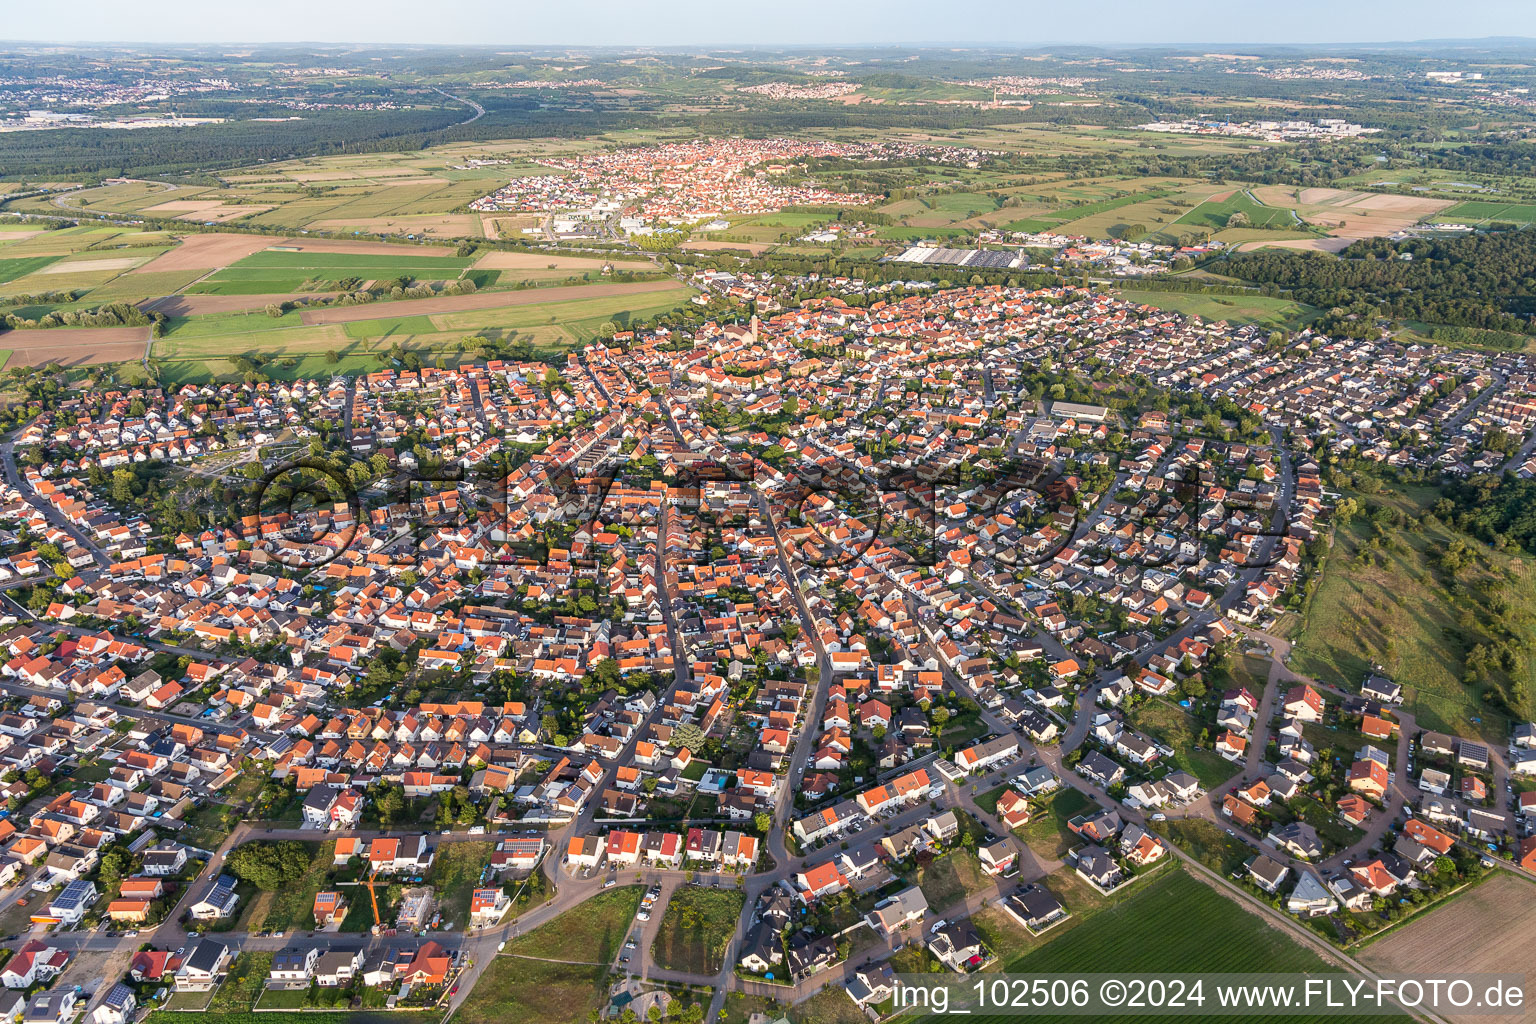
1395, 608
1285, 314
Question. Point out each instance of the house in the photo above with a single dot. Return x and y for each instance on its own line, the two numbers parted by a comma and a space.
34, 962
1310, 897
330, 907
1378, 687
958, 946
1297, 838
337, 967
163, 861
900, 910
1035, 907
1095, 866
1368, 778
763, 948
985, 755
1101, 770
823, 879
871, 985
117, 1007
806, 954
999, 857
293, 965
56, 1007
70, 905
487, 906
1353, 809
1303, 703
1013, 809
203, 965
1267, 873
218, 900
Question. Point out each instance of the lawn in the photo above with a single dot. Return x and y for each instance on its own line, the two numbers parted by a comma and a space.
1174, 726
592, 932
455, 873
1047, 833
696, 929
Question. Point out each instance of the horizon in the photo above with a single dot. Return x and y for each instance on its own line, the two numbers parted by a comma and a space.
696, 24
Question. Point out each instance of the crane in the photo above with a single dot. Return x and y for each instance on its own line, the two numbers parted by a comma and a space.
374, 899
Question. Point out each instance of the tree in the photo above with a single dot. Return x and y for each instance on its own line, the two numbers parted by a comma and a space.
270, 866
762, 821
688, 735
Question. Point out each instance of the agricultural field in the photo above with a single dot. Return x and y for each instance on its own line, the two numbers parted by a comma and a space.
277, 271
696, 929
1216, 212
1197, 929
1479, 212
1472, 932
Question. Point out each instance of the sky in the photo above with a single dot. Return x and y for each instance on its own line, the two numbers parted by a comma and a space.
825, 23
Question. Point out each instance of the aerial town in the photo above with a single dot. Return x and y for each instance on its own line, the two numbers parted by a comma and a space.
739, 535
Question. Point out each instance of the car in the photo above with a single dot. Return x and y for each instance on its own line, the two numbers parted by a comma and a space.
454, 991
1159, 816
477, 830
610, 883
631, 944
624, 959
643, 915
937, 926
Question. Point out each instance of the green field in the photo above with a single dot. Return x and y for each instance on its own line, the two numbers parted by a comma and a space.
1482, 211
1047, 833
455, 873
1170, 923
1047, 221
696, 929
1214, 215
274, 272
21, 266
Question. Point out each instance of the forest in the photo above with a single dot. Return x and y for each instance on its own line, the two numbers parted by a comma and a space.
1484, 280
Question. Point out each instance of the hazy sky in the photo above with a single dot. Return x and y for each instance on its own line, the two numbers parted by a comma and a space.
791, 22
